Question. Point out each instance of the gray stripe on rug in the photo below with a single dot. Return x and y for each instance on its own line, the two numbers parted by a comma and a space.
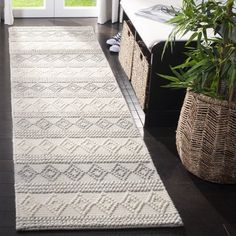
79, 160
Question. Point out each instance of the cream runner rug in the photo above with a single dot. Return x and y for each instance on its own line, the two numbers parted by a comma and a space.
79, 159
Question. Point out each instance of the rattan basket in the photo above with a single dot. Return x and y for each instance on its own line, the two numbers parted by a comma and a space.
127, 48
140, 74
206, 138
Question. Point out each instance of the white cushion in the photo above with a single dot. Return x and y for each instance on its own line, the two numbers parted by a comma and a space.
150, 31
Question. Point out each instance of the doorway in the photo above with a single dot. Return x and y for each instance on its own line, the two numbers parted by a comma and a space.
55, 8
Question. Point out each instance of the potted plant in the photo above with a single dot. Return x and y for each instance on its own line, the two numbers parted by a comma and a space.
206, 132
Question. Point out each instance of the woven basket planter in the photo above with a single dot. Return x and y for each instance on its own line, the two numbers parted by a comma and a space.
206, 138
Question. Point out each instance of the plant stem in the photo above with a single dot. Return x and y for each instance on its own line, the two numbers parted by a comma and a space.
227, 32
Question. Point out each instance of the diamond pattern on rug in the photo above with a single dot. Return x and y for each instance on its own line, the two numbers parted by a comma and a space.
107, 204
50, 173
80, 204
79, 160
47, 145
23, 123
83, 123
28, 173
97, 172
74, 173
104, 123
55, 205
121, 172
29, 205
44, 124
64, 124
132, 203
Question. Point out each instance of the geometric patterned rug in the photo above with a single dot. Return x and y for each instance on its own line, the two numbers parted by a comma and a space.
80, 162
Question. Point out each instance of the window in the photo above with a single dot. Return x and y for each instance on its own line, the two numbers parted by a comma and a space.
55, 8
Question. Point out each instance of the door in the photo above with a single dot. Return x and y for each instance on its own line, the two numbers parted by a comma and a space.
75, 8
55, 8
33, 8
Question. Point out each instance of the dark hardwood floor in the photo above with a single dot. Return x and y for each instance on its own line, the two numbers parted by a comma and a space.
206, 208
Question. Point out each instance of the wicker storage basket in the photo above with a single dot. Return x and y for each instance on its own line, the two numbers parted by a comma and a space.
127, 48
206, 138
140, 74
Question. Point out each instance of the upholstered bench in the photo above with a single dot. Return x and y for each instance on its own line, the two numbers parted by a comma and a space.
140, 56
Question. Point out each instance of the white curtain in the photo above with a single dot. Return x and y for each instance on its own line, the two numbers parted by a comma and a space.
108, 10
6, 11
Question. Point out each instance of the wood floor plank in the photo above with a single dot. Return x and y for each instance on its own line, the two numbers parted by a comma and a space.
6, 166
204, 207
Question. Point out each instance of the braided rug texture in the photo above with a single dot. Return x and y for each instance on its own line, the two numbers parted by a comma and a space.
80, 162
